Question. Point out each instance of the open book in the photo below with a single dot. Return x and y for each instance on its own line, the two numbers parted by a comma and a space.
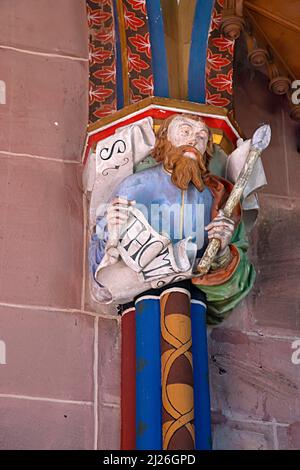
146, 260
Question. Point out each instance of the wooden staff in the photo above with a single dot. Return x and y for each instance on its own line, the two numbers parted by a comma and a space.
259, 142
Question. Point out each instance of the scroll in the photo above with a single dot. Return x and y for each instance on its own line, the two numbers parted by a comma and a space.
146, 260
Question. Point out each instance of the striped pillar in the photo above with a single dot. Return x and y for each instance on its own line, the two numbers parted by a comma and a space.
148, 374
128, 371
201, 376
164, 379
177, 371
197, 64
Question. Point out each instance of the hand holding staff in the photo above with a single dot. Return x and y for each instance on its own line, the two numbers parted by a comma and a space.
259, 142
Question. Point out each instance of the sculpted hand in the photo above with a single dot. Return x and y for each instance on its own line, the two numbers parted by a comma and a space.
222, 228
117, 215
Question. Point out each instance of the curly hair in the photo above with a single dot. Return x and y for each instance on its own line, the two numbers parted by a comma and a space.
163, 146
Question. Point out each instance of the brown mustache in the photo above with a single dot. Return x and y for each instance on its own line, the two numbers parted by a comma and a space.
185, 170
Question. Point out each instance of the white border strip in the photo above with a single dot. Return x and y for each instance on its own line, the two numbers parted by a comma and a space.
84, 251
124, 118
45, 308
164, 108
47, 399
194, 301
127, 311
38, 157
147, 297
216, 116
175, 289
95, 373
44, 54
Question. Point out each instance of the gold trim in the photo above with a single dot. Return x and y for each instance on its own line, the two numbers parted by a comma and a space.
164, 102
179, 348
123, 41
178, 25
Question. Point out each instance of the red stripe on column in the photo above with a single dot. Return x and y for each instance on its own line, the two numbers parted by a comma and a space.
128, 380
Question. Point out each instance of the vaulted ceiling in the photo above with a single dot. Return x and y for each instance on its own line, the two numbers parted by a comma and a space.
277, 22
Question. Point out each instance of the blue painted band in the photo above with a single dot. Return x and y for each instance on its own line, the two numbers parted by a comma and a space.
158, 48
201, 378
197, 64
148, 375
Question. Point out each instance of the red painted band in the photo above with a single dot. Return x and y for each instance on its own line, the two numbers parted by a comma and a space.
128, 372
155, 113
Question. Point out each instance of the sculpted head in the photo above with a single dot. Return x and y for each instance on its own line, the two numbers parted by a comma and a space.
184, 146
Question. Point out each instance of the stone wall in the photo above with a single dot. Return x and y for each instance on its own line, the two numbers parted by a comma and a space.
59, 362
254, 383
54, 347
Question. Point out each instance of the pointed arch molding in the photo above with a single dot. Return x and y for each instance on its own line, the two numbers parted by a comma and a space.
129, 58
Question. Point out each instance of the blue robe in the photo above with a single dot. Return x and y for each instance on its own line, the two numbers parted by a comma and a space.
153, 189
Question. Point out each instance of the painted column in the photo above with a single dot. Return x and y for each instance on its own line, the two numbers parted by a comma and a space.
148, 374
177, 371
201, 376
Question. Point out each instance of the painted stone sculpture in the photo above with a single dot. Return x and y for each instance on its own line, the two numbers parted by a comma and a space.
144, 253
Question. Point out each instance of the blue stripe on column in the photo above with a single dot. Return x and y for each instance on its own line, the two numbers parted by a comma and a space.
148, 375
201, 378
119, 75
158, 48
197, 65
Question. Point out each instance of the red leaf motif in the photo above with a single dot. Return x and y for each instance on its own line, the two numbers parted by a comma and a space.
96, 17
216, 100
216, 61
105, 36
224, 44
99, 94
132, 21
222, 82
106, 74
134, 98
136, 63
105, 110
221, 3
144, 85
98, 54
105, 2
215, 20
141, 43
138, 5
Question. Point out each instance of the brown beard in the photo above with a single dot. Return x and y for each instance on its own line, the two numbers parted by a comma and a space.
184, 170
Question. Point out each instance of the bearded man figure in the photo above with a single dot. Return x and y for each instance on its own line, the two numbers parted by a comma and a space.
172, 409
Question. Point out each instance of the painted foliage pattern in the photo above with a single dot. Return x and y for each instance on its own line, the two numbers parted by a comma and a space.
102, 59
219, 65
138, 50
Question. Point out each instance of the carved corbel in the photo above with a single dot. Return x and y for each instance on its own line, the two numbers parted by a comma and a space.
279, 84
257, 56
233, 22
294, 108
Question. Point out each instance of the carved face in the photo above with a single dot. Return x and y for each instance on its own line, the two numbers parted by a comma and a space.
185, 131
184, 147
